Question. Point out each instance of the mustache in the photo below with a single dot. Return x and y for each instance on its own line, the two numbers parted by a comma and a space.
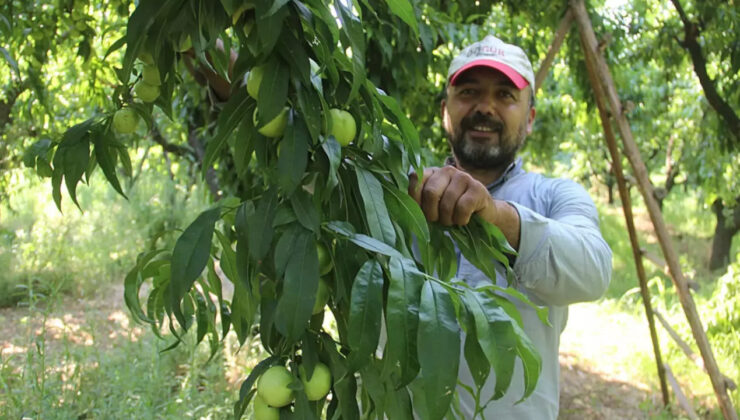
478, 118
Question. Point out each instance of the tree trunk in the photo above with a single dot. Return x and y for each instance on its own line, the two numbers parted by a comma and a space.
723, 234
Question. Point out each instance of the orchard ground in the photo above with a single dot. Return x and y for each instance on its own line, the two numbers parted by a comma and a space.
606, 371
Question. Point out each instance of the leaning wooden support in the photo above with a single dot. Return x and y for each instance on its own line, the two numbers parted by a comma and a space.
629, 220
680, 396
557, 42
658, 262
690, 353
646, 189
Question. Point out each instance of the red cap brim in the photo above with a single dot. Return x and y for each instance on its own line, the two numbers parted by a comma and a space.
512, 74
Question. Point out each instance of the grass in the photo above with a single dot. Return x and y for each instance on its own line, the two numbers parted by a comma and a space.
79, 251
87, 367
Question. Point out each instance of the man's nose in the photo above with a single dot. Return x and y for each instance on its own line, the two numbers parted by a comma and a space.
486, 105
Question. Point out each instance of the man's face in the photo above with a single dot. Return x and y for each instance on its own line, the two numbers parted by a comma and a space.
486, 118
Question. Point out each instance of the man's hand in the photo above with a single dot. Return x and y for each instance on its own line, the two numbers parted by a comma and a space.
450, 196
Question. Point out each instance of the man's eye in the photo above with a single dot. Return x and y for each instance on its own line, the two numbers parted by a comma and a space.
467, 91
506, 94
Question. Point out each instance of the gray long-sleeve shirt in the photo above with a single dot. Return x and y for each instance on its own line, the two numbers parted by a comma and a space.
562, 259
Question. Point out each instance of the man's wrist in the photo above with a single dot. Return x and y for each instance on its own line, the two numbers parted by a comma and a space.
506, 217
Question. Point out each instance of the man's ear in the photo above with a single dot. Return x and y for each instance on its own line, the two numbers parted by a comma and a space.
530, 119
444, 115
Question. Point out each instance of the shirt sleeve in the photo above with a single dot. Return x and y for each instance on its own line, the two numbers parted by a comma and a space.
563, 258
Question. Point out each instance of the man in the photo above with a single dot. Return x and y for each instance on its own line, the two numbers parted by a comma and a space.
552, 223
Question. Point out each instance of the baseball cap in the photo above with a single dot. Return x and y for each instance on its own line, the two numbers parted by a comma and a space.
495, 53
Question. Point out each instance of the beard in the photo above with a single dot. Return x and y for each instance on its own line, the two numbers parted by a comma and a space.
474, 155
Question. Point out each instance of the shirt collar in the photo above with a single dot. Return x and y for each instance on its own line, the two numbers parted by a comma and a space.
513, 169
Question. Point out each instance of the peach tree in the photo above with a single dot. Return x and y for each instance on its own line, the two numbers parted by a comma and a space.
313, 157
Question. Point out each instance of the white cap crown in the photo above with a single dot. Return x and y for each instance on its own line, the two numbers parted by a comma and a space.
495, 53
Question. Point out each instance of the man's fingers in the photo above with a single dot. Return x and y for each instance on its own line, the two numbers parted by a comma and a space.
467, 204
449, 202
414, 187
435, 184
447, 195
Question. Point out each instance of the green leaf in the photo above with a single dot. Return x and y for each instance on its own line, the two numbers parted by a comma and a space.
239, 106
310, 104
259, 226
285, 248
244, 306
368, 243
292, 50
470, 248
202, 317
305, 211
345, 384
132, 285
494, 290
243, 213
495, 332
11, 62
402, 318
372, 383
73, 156
300, 283
376, 212
333, 151
107, 157
398, 403
273, 93
404, 10
410, 135
143, 17
407, 212
293, 156
366, 305
243, 145
277, 4
189, 258
439, 348
56, 186
228, 258
441, 257
478, 364
352, 28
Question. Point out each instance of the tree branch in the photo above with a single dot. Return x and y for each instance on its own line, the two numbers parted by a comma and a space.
169, 147
7, 105
691, 44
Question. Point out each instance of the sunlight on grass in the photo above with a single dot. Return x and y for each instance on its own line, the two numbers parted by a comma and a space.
77, 252
91, 365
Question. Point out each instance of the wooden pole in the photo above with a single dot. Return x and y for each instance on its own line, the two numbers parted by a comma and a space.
557, 42
629, 219
646, 189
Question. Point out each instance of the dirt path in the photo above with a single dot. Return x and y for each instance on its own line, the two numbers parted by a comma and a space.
598, 379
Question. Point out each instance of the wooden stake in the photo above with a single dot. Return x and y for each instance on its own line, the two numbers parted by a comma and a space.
557, 42
646, 189
688, 352
680, 396
629, 219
